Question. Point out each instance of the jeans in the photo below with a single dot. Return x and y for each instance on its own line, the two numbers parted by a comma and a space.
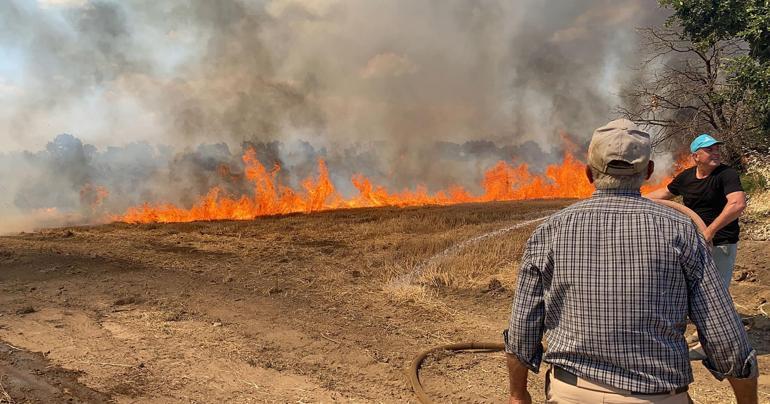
724, 258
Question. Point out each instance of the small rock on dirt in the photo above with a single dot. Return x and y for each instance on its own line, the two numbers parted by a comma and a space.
126, 300
745, 276
274, 290
176, 316
494, 287
25, 310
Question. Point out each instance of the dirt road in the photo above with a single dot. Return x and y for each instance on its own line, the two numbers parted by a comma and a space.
300, 308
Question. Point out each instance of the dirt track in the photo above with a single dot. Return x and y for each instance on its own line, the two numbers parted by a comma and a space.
282, 309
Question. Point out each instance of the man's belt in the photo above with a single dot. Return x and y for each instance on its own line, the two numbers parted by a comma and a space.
571, 379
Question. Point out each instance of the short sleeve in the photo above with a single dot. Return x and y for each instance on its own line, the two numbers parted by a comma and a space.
731, 182
675, 186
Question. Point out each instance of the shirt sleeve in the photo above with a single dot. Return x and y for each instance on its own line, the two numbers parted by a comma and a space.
711, 308
525, 329
731, 182
675, 185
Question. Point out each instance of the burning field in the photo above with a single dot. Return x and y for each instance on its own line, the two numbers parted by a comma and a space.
502, 182
286, 200
73, 183
240, 109
320, 307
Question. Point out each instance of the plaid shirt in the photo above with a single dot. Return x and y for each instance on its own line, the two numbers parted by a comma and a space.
611, 281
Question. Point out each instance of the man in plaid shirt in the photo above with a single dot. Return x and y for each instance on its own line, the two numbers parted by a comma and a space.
611, 282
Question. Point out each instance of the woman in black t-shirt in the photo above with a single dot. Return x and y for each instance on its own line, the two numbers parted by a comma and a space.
713, 190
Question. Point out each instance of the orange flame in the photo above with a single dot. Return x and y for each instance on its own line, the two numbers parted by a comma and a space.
502, 182
682, 163
93, 196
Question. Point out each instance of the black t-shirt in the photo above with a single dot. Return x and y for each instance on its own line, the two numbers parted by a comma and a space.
707, 197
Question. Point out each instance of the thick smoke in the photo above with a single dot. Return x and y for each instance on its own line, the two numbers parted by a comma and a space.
429, 91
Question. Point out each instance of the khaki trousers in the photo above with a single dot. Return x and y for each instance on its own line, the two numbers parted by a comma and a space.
558, 392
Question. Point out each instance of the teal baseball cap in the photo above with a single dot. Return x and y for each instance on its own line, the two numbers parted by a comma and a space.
703, 140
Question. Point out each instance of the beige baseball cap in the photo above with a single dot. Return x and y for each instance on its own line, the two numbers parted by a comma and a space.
619, 148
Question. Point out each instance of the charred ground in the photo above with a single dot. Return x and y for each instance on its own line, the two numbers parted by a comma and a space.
298, 308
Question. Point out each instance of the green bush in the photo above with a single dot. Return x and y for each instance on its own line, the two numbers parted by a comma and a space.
754, 182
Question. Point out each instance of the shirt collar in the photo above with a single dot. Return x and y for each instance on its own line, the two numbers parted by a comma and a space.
617, 192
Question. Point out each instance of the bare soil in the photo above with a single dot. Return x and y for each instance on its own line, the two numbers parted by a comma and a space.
291, 309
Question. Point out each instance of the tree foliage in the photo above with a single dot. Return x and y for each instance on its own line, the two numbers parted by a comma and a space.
708, 71
707, 22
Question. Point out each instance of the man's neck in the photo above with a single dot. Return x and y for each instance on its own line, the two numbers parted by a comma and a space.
617, 191
703, 171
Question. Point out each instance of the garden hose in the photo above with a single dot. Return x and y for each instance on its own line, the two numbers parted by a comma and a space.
687, 211
414, 369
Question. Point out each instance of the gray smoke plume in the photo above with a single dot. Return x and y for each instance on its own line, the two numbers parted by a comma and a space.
426, 91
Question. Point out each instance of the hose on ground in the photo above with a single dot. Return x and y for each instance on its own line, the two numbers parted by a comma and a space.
414, 369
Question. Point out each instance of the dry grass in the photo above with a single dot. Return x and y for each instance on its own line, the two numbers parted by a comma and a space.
405, 293
5, 398
317, 253
478, 262
399, 292
415, 253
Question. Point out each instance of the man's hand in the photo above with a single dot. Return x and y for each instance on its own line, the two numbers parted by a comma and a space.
709, 234
662, 193
745, 390
517, 378
736, 203
523, 399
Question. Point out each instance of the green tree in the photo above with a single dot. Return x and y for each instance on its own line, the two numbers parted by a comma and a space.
708, 70
707, 22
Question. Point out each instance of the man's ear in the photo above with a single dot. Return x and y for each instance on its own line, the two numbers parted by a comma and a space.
650, 169
589, 175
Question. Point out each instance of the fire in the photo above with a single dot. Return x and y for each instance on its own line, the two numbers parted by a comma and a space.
502, 182
506, 183
683, 162
93, 196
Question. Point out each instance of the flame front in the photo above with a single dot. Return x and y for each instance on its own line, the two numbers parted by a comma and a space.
93, 196
502, 182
